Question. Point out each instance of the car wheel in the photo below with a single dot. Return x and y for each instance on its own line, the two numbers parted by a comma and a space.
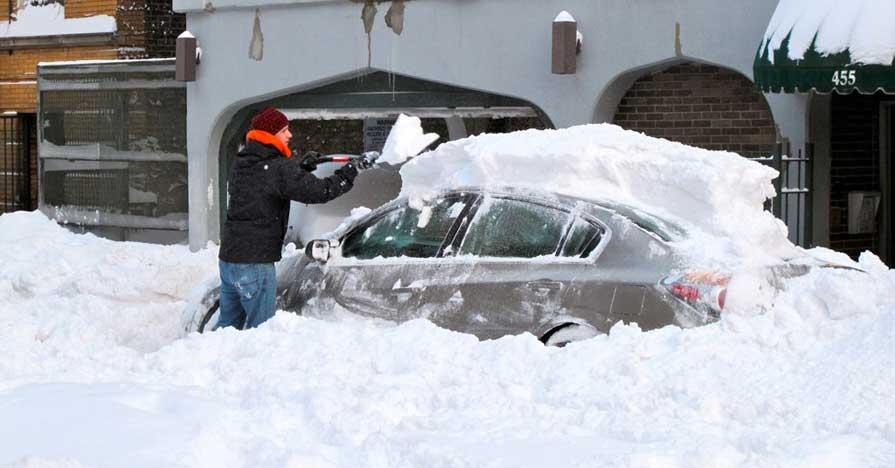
566, 333
210, 317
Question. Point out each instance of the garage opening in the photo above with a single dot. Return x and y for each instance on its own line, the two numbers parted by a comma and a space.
355, 115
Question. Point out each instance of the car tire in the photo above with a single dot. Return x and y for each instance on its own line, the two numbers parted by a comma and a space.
206, 319
569, 332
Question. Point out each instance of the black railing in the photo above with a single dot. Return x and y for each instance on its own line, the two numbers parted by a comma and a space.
794, 201
15, 164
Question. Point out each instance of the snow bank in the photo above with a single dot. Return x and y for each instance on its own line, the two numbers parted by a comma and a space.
717, 196
119, 293
50, 20
94, 372
861, 26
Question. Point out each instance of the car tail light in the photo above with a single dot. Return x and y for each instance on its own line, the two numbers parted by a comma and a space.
700, 289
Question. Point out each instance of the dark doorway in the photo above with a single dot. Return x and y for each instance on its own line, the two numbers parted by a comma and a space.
888, 156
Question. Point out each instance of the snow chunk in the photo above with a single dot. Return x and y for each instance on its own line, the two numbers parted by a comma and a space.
50, 20
862, 26
405, 140
186, 35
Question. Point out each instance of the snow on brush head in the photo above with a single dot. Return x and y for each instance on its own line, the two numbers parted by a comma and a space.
405, 140
712, 194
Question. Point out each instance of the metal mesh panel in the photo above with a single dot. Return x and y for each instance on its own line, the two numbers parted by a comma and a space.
114, 143
88, 189
82, 117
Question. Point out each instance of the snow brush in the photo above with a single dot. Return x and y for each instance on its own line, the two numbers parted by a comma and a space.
405, 140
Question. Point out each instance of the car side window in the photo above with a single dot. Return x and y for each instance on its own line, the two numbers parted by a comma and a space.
505, 227
404, 231
583, 237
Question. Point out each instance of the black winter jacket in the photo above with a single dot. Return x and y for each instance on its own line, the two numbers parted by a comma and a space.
262, 183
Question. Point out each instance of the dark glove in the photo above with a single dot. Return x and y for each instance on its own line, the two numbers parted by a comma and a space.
309, 161
367, 160
347, 173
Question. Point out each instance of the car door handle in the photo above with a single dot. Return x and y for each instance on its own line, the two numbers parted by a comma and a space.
544, 285
407, 290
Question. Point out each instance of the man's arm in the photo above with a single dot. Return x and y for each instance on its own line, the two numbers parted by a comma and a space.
299, 185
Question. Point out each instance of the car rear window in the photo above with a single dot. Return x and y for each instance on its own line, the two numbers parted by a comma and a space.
505, 227
582, 238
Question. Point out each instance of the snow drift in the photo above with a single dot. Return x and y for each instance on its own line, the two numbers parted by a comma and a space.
95, 373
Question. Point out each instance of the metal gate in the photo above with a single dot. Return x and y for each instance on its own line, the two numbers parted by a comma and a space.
15, 163
794, 201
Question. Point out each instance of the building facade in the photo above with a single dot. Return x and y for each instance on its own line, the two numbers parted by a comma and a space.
35, 31
678, 70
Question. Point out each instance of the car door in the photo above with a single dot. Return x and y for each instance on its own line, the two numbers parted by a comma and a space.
381, 266
512, 277
621, 283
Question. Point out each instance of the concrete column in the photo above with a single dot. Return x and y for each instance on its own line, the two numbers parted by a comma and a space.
819, 134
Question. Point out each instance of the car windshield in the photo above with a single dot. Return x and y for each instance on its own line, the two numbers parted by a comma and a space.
404, 231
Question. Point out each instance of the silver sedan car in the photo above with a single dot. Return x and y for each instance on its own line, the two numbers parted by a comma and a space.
493, 263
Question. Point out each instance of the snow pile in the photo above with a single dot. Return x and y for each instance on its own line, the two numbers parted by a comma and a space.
118, 293
863, 27
717, 196
94, 372
50, 20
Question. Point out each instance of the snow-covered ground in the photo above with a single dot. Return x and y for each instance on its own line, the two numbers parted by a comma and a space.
96, 373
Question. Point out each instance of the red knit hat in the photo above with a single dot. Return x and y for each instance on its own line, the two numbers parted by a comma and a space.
270, 120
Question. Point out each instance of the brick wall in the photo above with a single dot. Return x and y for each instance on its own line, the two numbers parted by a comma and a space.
18, 72
700, 105
82, 8
855, 148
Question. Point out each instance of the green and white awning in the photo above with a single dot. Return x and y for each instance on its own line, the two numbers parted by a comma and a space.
827, 45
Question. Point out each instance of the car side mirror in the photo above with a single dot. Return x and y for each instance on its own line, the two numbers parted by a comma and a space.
319, 250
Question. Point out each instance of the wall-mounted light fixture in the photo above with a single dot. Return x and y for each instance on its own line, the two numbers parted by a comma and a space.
187, 57
565, 44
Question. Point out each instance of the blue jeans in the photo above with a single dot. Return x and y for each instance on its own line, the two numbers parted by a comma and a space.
248, 294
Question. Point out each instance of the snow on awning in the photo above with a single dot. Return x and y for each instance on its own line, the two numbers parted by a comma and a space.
50, 20
827, 45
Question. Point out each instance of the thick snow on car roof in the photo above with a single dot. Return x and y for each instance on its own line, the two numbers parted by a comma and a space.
717, 196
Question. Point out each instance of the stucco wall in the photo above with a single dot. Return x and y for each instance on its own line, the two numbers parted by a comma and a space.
499, 46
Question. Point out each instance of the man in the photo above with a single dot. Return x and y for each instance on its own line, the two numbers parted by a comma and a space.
264, 179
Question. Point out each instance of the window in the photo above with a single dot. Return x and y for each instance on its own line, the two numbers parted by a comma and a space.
513, 228
583, 237
405, 232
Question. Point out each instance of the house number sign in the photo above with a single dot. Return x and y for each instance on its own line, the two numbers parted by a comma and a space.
845, 77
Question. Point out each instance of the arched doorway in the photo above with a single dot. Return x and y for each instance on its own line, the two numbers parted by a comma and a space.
354, 115
700, 105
